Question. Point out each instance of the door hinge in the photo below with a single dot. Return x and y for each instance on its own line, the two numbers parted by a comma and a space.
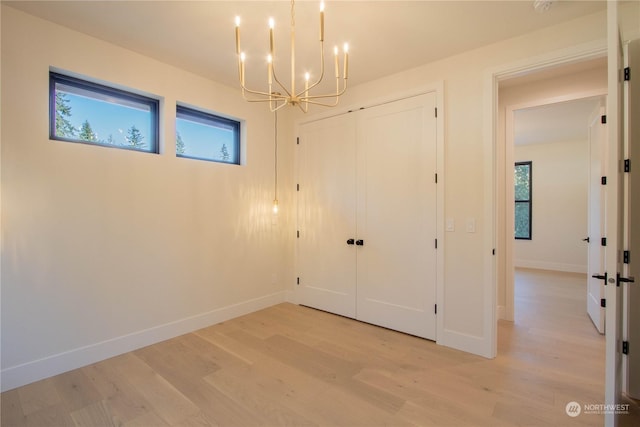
493, 251
603, 302
436, 243
297, 280
627, 74
297, 187
603, 180
603, 241
298, 140
298, 234
436, 111
625, 347
435, 309
626, 255
627, 165
436, 178
603, 119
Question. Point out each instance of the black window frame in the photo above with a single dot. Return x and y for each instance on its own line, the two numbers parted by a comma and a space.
529, 200
203, 117
101, 89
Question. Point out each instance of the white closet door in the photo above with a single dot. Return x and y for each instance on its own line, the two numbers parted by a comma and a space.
327, 215
397, 215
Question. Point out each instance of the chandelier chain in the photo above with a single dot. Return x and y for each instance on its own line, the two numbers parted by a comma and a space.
293, 14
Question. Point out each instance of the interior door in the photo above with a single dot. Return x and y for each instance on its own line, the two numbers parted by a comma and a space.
632, 97
397, 215
596, 218
327, 215
615, 220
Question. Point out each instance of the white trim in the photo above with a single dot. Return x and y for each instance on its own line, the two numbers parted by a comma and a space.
553, 266
16, 376
464, 342
492, 76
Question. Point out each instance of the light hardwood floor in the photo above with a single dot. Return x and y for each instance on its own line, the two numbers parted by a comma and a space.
291, 365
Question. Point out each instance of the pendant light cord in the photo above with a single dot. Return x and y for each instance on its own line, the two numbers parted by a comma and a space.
275, 143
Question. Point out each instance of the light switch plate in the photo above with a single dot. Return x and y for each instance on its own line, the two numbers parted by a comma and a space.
471, 225
450, 224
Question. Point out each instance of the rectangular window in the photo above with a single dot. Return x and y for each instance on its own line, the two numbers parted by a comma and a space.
91, 113
205, 136
523, 208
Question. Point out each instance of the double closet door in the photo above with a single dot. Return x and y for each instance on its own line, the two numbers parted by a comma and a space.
367, 215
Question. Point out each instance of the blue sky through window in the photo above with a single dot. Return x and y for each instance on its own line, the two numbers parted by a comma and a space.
109, 119
205, 141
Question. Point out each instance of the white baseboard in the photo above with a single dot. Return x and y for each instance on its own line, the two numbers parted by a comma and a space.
554, 266
19, 375
502, 310
464, 342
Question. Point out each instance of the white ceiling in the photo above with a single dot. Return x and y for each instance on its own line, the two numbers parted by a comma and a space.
385, 37
559, 122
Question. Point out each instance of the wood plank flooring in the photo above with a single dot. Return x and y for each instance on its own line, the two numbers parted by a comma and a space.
292, 365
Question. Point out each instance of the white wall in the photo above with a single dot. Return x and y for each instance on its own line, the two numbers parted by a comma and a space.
71, 214
466, 323
104, 250
560, 188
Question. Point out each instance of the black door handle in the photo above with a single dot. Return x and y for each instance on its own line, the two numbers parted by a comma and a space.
586, 240
350, 242
360, 242
601, 277
624, 279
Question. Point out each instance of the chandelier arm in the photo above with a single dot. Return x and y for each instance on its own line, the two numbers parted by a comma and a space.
275, 77
260, 93
278, 107
317, 82
328, 95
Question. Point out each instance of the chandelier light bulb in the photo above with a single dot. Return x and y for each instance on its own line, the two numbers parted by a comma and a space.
237, 21
271, 23
275, 206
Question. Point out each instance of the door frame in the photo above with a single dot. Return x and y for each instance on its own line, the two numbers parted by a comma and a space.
436, 87
507, 312
494, 168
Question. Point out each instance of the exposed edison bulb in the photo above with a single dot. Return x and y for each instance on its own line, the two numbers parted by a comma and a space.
346, 48
307, 76
269, 59
335, 50
237, 21
271, 23
275, 206
321, 6
242, 56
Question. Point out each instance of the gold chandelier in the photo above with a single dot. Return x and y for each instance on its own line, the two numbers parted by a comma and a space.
289, 96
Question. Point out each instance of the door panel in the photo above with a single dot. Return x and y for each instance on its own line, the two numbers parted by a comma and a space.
397, 216
327, 215
596, 261
369, 176
633, 220
615, 219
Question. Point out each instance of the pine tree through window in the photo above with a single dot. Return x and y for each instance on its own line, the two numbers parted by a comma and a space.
205, 136
91, 113
523, 207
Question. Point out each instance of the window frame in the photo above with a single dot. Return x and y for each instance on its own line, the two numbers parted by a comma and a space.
529, 164
200, 116
108, 91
